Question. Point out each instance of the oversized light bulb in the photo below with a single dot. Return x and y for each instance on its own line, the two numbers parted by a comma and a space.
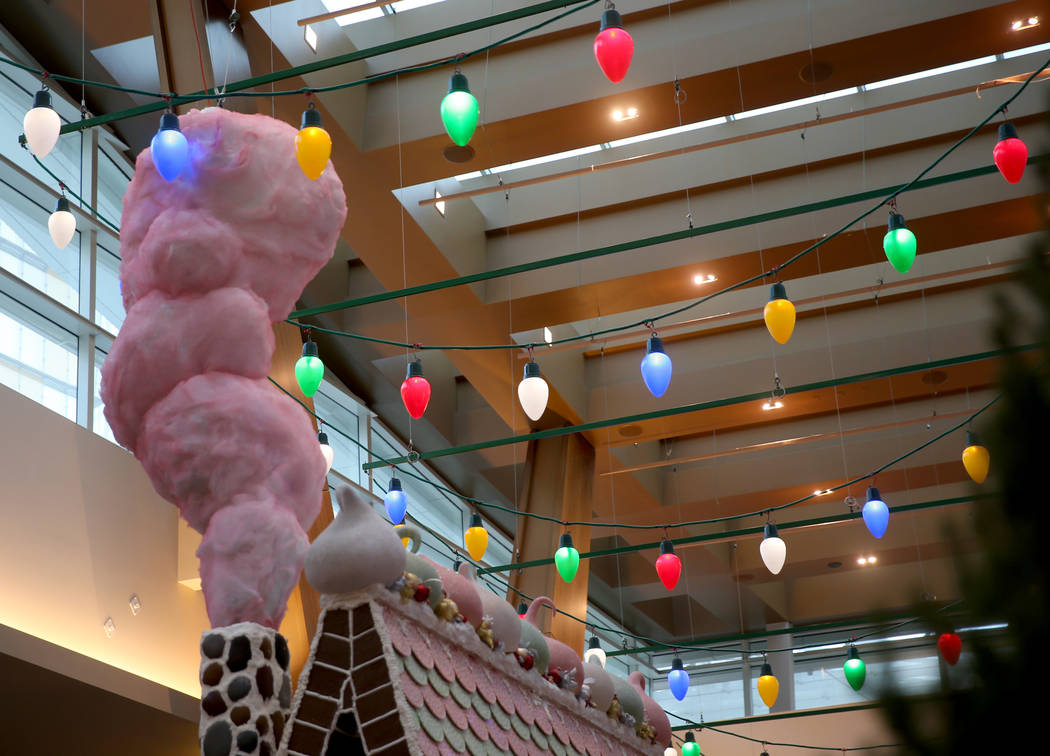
523, 608
773, 549
476, 538
395, 501
567, 558
899, 244
876, 514
594, 654
326, 451
415, 390
313, 145
404, 541
670, 751
950, 646
768, 685
779, 314
459, 110
613, 47
41, 125
62, 224
1010, 154
854, 669
656, 367
975, 458
309, 370
169, 149
668, 566
678, 680
690, 747
533, 391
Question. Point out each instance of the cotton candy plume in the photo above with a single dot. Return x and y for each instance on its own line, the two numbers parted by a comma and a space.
209, 260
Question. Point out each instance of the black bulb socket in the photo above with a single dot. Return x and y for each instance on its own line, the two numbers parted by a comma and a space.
532, 369
777, 291
458, 83
655, 344
475, 520
1007, 131
689, 738
972, 439
766, 670
666, 547
311, 117
522, 607
322, 438
566, 541
310, 349
395, 485
169, 122
42, 99
853, 653
873, 494
594, 643
456, 565
611, 20
677, 664
62, 204
415, 369
896, 222
771, 531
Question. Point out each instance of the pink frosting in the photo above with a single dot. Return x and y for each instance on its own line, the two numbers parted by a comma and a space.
654, 713
208, 261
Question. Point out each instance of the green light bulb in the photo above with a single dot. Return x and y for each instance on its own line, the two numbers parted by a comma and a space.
690, 747
567, 559
899, 244
459, 110
309, 370
854, 669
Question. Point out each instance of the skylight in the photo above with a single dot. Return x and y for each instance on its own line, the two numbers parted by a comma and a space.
652, 135
368, 14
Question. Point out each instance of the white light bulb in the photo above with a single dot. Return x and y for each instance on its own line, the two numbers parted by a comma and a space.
533, 391
669, 751
326, 451
773, 549
594, 656
62, 224
41, 125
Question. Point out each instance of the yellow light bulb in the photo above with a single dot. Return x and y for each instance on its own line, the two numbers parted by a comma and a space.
768, 686
476, 538
975, 459
313, 146
404, 541
779, 314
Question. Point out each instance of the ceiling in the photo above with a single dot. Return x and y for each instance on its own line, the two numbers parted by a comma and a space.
543, 95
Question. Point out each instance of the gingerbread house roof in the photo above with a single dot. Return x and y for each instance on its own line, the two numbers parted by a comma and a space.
386, 677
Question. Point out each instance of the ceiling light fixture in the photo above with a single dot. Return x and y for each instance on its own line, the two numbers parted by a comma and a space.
773, 550
41, 125
779, 314
62, 224
395, 501
309, 370
678, 680
700, 279
975, 458
594, 654
567, 558
476, 538
876, 514
768, 685
1024, 23
669, 569
533, 391
690, 747
459, 110
854, 669
613, 47
656, 366
1010, 154
313, 145
326, 451
415, 390
620, 115
168, 148
773, 404
899, 242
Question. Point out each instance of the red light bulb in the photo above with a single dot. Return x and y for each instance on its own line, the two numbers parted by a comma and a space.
415, 390
668, 565
613, 47
1010, 154
950, 647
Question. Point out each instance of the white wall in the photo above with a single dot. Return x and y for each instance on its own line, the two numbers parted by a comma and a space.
82, 529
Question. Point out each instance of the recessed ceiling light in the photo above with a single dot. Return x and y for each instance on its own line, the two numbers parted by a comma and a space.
862, 560
1025, 23
772, 405
700, 279
620, 115
311, 37
866, 560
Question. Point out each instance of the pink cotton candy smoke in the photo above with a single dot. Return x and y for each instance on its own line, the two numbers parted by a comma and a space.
242, 215
209, 260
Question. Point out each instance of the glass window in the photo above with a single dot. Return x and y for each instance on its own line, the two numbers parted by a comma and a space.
716, 694
339, 410
26, 250
37, 358
109, 307
114, 175
98, 421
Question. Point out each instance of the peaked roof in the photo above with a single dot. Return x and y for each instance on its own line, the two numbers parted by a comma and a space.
391, 678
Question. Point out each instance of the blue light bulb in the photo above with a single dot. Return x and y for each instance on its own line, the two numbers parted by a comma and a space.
396, 502
656, 367
678, 680
170, 150
876, 513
